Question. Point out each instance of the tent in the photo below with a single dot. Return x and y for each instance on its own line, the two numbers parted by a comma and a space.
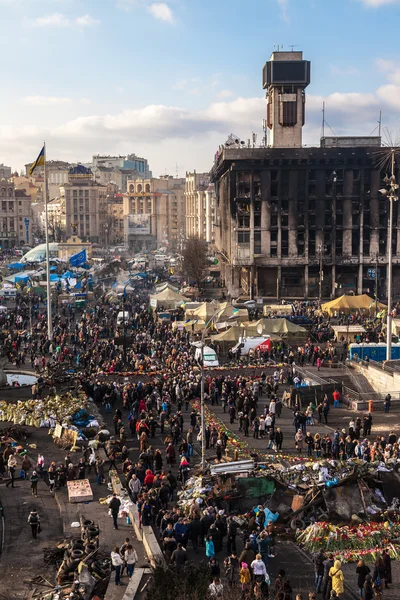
224, 311
194, 325
351, 304
348, 332
160, 287
167, 298
281, 327
17, 266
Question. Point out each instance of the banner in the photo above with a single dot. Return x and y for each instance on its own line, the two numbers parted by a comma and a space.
78, 259
138, 224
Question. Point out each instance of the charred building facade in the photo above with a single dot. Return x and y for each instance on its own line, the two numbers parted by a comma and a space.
302, 222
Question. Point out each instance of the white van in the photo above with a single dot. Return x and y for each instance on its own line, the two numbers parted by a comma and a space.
252, 343
210, 357
122, 316
8, 293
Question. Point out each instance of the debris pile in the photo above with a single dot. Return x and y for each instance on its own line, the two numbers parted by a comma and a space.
70, 410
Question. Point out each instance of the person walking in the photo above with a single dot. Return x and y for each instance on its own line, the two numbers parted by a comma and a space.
11, 465
387, 561
117, 563
337, 577
131, 559
34, 522
34, 479
114, 508
362, 571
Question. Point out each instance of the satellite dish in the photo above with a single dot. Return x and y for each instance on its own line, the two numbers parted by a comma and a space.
259, 329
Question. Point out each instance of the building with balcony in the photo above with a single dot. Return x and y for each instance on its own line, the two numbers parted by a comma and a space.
85, 206
15, 216
154, 213
200, 206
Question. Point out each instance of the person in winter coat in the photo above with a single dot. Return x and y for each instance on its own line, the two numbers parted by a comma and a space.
278, 439
131, 559
283, 589
117, 563
244, 577
34, 483
134, 487
298, 438
258, 568
114, 508
362, 571
232, 569
326, 581
248, 555
336, 574
387, 561
210, 550
368, 589
34, 522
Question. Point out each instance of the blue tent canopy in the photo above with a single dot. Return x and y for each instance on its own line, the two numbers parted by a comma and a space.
53, 268
54, 277
21, 278
17, 265
68, 275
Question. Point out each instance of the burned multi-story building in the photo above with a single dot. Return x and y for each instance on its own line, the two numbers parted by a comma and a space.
302, 222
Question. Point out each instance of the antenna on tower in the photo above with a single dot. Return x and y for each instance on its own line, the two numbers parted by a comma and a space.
177, 171
380, 123
323, 119
293, 46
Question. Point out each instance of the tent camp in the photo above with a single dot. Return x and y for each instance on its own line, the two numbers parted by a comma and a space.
351, 304
167, 299
282, 327
224, 311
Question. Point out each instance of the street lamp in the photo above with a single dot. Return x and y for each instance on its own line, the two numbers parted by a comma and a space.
201, 345
124, 318
391, 193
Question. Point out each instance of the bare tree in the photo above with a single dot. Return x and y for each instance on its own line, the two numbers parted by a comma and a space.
194, 256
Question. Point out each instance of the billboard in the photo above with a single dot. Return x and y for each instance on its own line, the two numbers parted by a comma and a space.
139, 224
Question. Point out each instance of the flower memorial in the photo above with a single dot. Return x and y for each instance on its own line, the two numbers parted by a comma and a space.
350, 543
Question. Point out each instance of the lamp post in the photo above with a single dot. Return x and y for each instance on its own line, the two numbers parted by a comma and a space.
124, 319
321, 274
201, 345
391, 193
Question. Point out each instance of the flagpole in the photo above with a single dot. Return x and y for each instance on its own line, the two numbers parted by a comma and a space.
46, 224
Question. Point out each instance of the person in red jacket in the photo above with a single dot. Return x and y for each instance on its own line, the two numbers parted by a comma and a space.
148, 480
336, 399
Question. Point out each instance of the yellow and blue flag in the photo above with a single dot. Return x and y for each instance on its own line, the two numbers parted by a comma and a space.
39, 162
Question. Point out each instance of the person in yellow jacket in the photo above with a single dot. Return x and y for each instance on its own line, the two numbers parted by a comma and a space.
336, 574
245, 577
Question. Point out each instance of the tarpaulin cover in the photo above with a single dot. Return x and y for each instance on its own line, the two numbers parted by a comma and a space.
344, 501
81, 418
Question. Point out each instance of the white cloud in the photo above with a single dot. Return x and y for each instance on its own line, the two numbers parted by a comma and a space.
225, 94
344, 71
86, 21
60, 20
51, 101
45, 100
378, 3
54, 20
283, 5
390, 68
161, 11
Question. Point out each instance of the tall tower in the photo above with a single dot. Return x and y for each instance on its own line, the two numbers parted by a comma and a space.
285, 77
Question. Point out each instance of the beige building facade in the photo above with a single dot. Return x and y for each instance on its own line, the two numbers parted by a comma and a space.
85, 206
200, 206
154, 213
15, 216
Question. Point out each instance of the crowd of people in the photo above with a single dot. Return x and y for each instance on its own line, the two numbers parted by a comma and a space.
159, 403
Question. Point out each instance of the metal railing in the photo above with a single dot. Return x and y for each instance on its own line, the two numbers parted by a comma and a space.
365, 396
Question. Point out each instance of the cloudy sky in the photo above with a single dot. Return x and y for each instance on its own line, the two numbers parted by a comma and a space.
171, 80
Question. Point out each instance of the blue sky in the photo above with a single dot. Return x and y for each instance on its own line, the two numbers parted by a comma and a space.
170, 80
